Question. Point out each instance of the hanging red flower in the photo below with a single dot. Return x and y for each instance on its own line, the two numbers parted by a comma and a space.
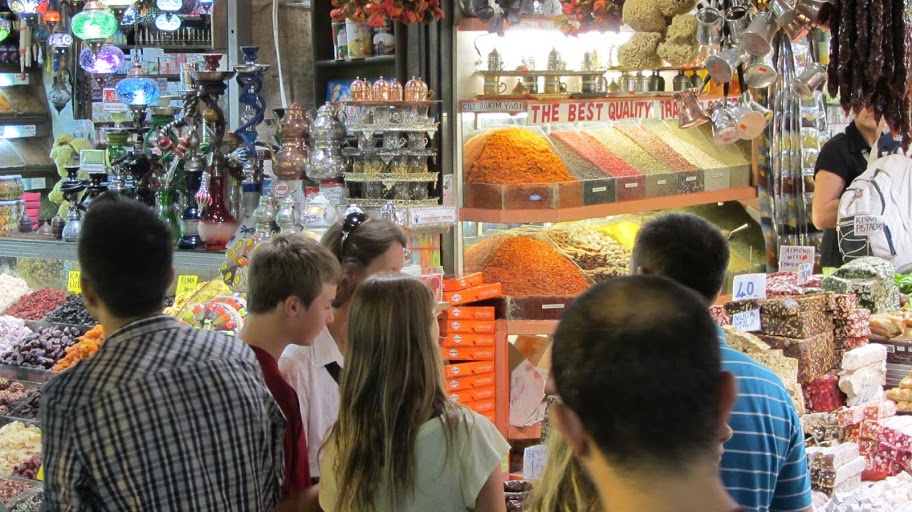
377, 12
579, 16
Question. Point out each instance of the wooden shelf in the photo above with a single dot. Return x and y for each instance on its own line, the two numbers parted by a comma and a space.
189, 48
382, 59
604, 210
530, 327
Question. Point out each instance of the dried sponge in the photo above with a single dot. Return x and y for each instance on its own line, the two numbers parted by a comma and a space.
640, 51
677, 54
644, 16
683, 30
670, 8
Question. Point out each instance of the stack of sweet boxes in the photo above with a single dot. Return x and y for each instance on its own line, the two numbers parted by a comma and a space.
835, 469
467, 342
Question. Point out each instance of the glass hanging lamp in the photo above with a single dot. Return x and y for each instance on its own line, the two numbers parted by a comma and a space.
109, 60
137, 91
51, 18
59, 95
94, 25
206, 7
119, 7
28, 9
5, 27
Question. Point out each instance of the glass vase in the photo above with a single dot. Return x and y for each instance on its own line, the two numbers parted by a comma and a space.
217, 225
166, 209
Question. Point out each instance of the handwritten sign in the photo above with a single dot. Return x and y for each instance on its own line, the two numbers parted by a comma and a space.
868, 224
74, 281
510, 107
748, 321
749, 286
186, 284
589, 111
797, 259
534, 460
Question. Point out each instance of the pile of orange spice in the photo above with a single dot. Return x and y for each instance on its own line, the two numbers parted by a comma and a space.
86, 346
512, 156
526, 266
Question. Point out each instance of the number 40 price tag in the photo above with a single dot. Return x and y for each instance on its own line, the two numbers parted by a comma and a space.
749, 286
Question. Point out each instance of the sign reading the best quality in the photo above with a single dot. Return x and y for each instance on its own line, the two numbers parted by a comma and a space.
868, 224
587, 111
798, 259
749, 286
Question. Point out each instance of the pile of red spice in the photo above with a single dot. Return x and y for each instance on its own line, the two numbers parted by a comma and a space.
512, 156
36, 305
526, 267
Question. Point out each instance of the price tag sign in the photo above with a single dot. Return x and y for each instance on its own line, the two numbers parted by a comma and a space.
74, 283
40, 475
797, 259
749, 286
186, 284
749, 321
534, 460
868, 224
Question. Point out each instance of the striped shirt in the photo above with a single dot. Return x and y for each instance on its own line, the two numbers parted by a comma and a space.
162, 417
764, 466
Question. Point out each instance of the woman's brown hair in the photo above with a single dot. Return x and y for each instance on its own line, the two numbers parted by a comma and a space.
362, 245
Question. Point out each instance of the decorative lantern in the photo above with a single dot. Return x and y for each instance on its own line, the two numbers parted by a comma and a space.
28, 8
119, 7
169, 5
59, 95
137, 90
95, 24
206, 6
107, 61
51, 18
5, 27
167, 22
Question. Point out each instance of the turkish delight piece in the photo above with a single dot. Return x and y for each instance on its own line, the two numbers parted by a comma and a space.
880, 410
720, 316
833, 476
853, 433
822, 394
853, 330
833, 457
744, 342
844, 303
799, 326
816, 355
785, 367
864, 356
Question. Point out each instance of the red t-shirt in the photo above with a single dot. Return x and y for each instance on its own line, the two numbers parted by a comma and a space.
297, 467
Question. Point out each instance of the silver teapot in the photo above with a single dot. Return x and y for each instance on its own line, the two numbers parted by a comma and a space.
327, 123
326, 161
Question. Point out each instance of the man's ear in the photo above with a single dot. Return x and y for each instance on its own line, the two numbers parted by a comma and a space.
172, 278
292, 305
569, 424
728, 394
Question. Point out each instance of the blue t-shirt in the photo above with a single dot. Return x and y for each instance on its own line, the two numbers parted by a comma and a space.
764, 466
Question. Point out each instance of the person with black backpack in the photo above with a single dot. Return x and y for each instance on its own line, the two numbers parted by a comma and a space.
364, 246
842, 159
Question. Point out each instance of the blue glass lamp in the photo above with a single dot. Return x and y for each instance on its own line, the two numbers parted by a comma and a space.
206, 6
137, 91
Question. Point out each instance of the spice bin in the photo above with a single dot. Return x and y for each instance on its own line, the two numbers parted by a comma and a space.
10, 211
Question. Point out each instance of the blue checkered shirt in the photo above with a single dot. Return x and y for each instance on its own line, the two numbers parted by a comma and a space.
162, 418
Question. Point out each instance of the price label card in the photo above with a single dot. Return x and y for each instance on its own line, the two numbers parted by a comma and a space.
749, 321
40, 475
749, 286
868, 224
74, 282
797, 259
534, 460
186, 284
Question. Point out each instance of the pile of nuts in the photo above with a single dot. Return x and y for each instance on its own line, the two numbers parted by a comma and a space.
598, 255
10, 393
41, 350
10, 489
30, 504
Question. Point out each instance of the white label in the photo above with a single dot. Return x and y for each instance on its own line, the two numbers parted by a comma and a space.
534, 460
280, 188
493, 106
797, 259
749, 321
92, 161
553, 306
631, 185
868, 224
717, 174
29, 130
691, 178
267, 169
749, 286
662, 182
599, 189
432, 216
116, 107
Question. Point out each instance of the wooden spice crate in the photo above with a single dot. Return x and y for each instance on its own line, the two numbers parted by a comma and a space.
599, 191
717, 179
533, 196
660, 185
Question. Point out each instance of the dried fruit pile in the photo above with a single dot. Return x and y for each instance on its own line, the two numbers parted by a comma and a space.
88, 344
37, 304
73, 311
869, 65
42, 349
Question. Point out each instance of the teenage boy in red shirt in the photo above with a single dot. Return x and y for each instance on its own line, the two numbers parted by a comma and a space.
291, 285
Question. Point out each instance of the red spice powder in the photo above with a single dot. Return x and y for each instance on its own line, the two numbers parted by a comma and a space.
512, 156
526, 266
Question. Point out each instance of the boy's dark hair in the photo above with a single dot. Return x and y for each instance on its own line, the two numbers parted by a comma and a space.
289, 265
126, 252
638, 359
685, 248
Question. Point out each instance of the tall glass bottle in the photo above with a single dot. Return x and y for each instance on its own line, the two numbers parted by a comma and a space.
217, 225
